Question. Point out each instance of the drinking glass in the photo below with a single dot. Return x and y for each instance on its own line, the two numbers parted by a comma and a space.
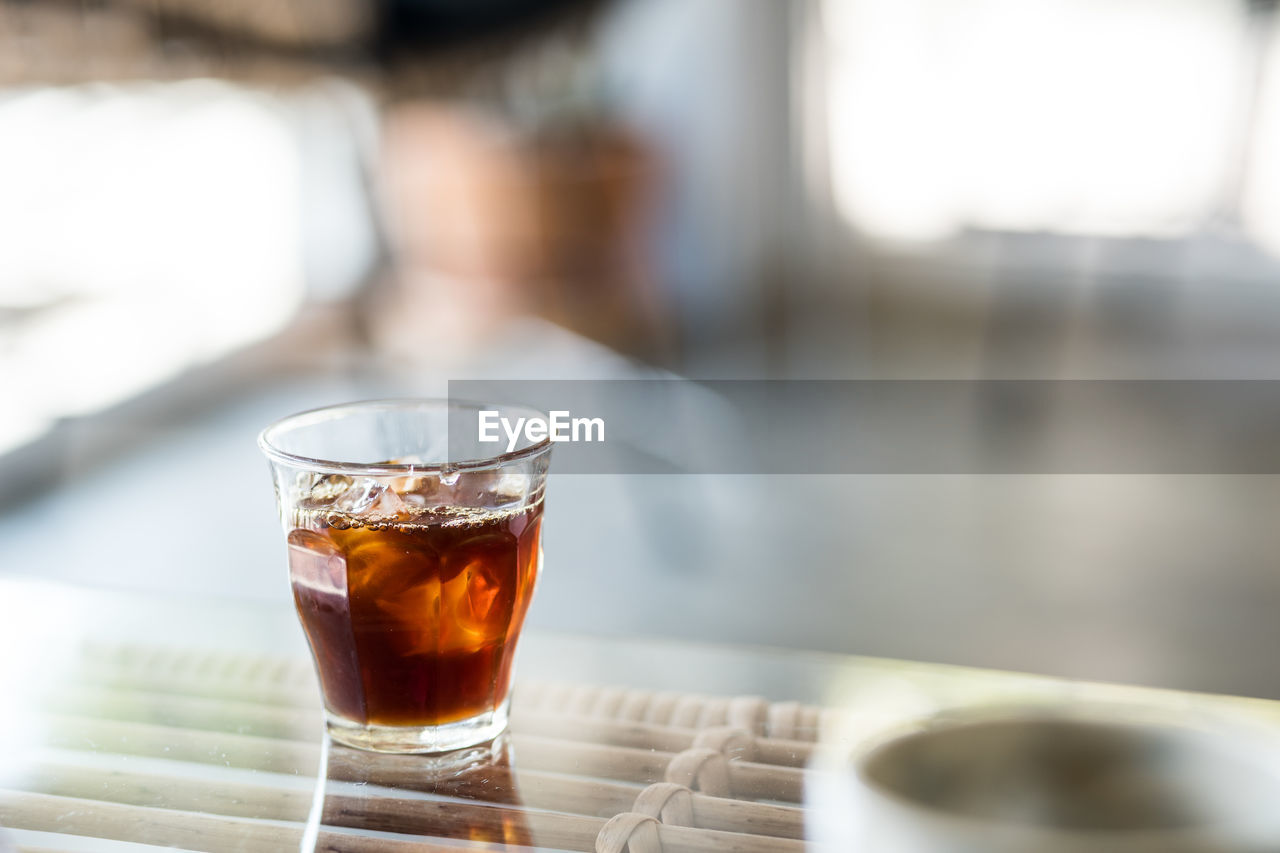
413, 552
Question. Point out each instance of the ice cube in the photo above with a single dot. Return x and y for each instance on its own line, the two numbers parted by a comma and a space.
360, 496
370, 497
316, 562
407, 483
413, 615
385, 566
480, 588
478, 605
417, 490
483, 590
409, 459
512, 485
320, 490
390, 505
475, 551
396, 587
303, 482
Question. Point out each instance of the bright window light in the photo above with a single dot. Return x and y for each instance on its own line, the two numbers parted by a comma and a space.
146, 229
1260, 204
1072, 116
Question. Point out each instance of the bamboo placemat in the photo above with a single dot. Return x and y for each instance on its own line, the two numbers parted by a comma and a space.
221, 752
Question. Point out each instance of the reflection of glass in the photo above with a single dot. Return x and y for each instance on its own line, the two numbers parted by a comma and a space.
473, 794
413, 555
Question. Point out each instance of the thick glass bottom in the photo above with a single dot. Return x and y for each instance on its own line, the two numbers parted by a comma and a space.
420, 739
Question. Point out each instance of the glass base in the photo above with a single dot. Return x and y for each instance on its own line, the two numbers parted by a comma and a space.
420, 739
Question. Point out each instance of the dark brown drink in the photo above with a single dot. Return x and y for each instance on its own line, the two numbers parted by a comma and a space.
413, 620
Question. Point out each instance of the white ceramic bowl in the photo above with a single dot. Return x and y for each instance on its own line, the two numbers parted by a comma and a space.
1101, 779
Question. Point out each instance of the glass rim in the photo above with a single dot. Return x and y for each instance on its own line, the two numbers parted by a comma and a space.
322, 414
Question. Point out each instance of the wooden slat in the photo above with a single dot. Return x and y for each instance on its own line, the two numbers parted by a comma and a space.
154, 790
225, 677
190, 712
192, 830
533, 790
602, 730
294, 723
547, 789
291, 682
756, 781
179, 744
428, 819
746, 779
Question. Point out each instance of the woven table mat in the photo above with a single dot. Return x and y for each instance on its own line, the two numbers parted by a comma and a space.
216, 751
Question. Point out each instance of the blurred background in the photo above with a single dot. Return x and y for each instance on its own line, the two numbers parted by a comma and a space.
213, 214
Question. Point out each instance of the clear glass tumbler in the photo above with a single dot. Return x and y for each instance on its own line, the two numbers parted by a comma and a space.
413, 554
